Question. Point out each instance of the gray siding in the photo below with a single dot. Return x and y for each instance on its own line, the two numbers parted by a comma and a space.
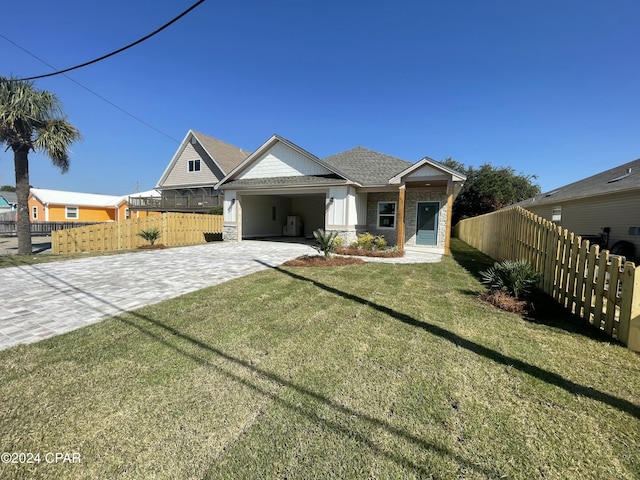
589, 215
180, 175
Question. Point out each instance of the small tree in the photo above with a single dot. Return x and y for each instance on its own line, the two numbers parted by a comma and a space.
515, 278
150, 235
32, 120
325, 242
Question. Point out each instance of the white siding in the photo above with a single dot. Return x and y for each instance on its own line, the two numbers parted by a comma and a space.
282, 161
361, 209
337, 209
181, 176
230, 207
425, 171
357, 208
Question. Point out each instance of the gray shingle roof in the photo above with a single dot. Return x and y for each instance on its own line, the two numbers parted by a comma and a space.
304, 180
365, 166
10, 197
622, 177
227, 156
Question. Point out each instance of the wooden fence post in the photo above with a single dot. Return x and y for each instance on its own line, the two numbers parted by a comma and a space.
629, 325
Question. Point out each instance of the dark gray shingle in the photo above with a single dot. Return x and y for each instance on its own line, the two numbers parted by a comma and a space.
622, 177
365, 166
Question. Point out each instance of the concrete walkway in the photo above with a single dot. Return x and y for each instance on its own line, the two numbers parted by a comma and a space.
40, 301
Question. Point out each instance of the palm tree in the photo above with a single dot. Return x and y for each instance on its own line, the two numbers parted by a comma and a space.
32, 120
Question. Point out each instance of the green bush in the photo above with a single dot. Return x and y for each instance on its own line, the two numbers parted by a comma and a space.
366, 241
150, 235
379, 243
216, 210
516, 278
325, 242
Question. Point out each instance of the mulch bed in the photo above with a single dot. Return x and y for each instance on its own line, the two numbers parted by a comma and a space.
370, 253
506, 302
157, 246
320, 261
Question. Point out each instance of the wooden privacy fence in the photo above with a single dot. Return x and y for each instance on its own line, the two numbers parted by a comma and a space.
175, 229
588, 282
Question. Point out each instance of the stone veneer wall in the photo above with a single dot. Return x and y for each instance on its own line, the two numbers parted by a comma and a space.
230, 233
389, 234
412, 197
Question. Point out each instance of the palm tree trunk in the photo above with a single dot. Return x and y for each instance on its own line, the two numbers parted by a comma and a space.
21, 161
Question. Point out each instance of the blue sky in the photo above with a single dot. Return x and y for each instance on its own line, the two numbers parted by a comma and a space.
549, 88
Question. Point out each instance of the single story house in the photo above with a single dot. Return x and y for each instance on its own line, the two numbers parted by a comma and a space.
187, 183
281, 188
604, 207
62, 206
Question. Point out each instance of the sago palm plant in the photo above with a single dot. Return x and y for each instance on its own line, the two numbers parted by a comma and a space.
325, 242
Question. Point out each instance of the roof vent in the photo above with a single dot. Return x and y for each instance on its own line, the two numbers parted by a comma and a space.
621, 177
551, 193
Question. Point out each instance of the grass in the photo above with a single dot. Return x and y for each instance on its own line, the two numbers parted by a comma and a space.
363, 371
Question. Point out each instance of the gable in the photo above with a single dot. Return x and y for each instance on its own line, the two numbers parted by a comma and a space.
282, 161
425, 171
179, 174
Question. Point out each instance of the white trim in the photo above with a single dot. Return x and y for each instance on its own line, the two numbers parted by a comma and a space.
257, 153
395, 216
455, 176
66, 212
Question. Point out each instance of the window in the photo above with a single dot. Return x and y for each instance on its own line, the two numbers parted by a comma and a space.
194, 165
71, 212
556, 214
127, 214
34, 213
386, 214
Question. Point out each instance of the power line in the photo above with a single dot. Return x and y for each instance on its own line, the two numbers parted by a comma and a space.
120, 49
91, 91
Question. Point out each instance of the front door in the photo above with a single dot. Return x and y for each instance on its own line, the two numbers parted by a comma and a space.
427, 223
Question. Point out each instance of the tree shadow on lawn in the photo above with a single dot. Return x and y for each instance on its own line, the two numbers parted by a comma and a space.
532, 370
546, 311
145, 324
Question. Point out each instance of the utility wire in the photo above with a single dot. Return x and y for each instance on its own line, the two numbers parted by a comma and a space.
120, 49
91, 91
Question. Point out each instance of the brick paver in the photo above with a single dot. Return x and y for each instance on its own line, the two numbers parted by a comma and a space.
40, 301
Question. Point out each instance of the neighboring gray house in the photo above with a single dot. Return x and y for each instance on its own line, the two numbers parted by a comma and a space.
608, 202
8, 201
281, 189
187, 184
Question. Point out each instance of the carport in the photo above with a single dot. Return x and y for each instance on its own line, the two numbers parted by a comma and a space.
264, 215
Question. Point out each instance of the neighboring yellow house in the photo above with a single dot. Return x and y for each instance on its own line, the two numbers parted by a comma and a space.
60, 206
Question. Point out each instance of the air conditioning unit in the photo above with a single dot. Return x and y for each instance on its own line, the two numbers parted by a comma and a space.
293, 228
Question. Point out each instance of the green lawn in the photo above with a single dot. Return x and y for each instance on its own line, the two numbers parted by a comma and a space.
365, 371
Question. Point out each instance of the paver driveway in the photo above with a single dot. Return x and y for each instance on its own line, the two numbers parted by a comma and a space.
40, 301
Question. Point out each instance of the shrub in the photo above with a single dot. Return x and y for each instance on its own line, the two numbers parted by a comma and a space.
217, 210
515, 278
379, 243
325, 242
367, 241
150, 235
